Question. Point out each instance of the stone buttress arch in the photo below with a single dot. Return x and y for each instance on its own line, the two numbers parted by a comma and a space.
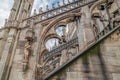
50, 36
54, 22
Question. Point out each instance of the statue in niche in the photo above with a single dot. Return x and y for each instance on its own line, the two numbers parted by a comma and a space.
27, 51
40, 10
26, 55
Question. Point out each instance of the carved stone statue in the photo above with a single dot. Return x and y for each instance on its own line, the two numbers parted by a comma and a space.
63, 37
26, 55
40, 10
53, 5
58, 4
27, 51
47, 9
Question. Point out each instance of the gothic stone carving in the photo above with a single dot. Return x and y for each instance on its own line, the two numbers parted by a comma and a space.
27, 50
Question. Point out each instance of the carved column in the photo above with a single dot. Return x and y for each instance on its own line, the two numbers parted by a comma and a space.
4, 35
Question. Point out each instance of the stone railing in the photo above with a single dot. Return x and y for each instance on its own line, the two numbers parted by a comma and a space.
61, 48
42, 16
104, 32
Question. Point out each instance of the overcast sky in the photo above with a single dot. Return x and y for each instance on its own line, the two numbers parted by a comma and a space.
6, 5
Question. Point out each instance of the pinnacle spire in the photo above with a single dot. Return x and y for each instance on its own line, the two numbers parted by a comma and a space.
41, 10
68, 1
58, 3
63, 2
47, 9
35, 12
53, 5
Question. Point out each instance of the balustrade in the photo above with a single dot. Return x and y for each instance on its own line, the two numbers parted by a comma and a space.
62, 47
60, 9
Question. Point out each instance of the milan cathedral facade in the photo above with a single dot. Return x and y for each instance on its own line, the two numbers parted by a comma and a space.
88, 47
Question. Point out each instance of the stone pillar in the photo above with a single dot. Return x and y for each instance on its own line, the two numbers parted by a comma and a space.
63, 57
80, 31
88, 33
20, 12
85, 33
15, 9
99, 24
7, 50
118, 3
4, 34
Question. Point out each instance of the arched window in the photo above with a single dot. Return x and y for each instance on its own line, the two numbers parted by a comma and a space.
52, 43
62, 29
59, 30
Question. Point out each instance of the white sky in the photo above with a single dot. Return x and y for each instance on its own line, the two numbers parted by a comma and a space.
6, 5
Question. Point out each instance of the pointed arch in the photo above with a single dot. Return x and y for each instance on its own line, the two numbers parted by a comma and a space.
51, 36
54, 22
44, 51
